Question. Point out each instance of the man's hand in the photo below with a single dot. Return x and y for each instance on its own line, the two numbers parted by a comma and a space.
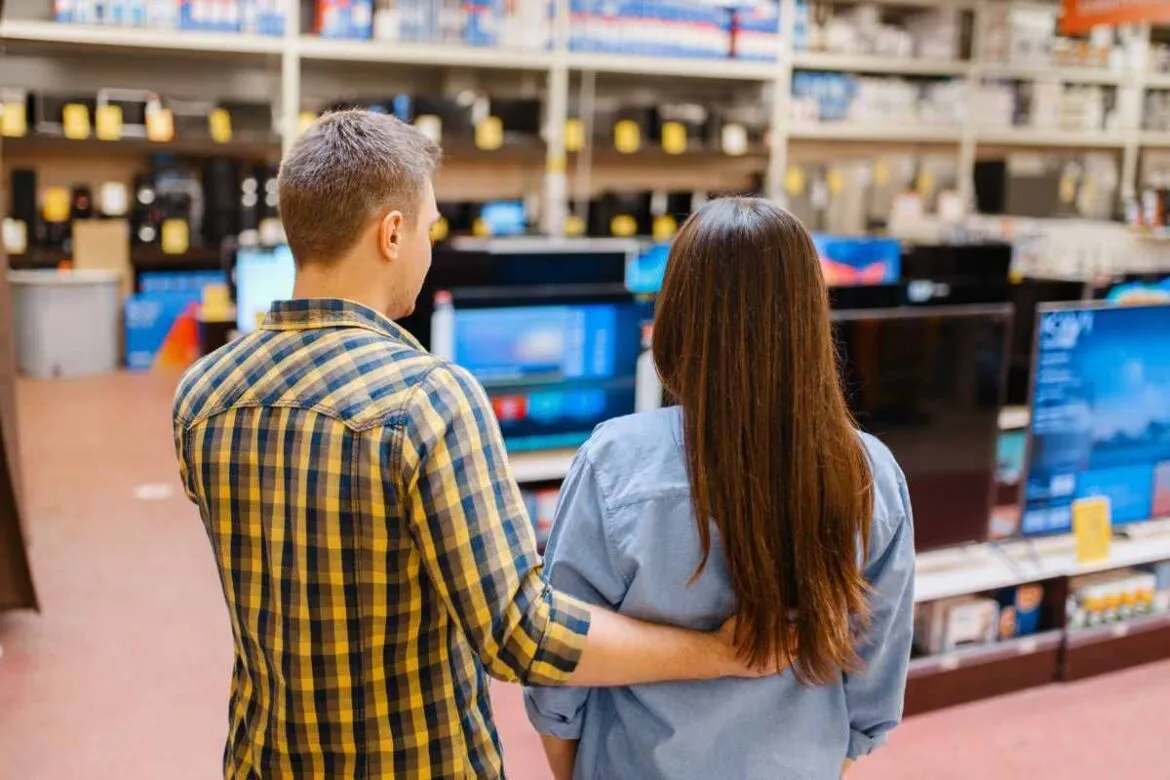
733, 666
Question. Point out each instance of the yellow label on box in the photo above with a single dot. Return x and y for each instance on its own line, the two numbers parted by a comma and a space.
623, 226
75, 121
627, 136
216, 303
176, 236
574, 226
674, 138
835, 181
1092, 521
13, 120
574, 135
881, 173
489, 134
440, 230
794, 181
925, 184
480, 228
664, 228
305, 120
219, 123
108, 123
160, 125
55, 206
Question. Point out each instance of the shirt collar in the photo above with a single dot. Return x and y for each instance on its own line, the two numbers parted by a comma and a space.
312, 313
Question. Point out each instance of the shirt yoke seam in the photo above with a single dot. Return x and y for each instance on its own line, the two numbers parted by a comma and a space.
394, 418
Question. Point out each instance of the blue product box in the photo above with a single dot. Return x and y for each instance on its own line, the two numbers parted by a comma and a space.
179, 281
1019, 613
150, 320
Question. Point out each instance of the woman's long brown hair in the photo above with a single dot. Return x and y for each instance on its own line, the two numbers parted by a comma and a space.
742, 341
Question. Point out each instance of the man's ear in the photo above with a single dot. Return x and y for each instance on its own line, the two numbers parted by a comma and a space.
390, 234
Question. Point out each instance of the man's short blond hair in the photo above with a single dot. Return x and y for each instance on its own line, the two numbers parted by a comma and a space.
342, 172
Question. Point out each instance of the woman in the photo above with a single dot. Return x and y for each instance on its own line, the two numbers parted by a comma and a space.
809, 542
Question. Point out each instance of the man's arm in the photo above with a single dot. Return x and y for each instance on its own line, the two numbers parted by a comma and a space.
479, 552
562, 756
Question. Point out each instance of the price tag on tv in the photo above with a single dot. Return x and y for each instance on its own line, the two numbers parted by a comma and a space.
160, 125
881, 173
574, 226
794, 181
627, 136
75, 121
305, 120
108, 123
674, 138
13, 120
489, 134
219, 124
1092, 521
623, 226
55, 205
835, 182
481, 228
574, 135
176, 236
440, 230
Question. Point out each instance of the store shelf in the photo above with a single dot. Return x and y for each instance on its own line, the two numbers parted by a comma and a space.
982, 654
1073, 75
1109, 648
979, 672
861, 63
439, 55
541, 466
685, 67
1043, 137
1155, 139
71, 37
852, 131
56, 144
1157, 80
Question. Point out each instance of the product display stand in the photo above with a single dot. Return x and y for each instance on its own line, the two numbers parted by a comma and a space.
16, 586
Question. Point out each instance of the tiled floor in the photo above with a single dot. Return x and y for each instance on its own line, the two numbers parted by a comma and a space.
124, 673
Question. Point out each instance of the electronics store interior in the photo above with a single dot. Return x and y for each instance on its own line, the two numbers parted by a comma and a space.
987, 184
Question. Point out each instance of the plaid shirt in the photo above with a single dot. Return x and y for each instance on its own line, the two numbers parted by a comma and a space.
375, 553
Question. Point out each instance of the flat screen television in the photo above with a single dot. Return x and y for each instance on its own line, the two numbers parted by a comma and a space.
1100, 421
262, 277
929, 382
554, 361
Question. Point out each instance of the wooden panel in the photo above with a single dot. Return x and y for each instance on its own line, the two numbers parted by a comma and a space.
981, 680
1110, 648
16, 587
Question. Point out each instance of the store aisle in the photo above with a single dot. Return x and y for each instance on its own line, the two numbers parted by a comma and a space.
124, 674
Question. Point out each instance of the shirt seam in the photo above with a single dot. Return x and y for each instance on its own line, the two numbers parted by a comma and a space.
608, 511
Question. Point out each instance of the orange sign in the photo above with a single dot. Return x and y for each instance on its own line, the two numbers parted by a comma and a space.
1080, 15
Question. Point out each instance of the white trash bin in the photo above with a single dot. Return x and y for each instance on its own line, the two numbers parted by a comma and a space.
66, 323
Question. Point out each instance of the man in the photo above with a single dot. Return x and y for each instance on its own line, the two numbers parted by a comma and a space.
375, 554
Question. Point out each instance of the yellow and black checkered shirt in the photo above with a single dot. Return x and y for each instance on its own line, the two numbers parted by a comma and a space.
375, 553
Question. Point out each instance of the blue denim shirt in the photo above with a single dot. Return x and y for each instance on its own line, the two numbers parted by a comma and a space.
625, 538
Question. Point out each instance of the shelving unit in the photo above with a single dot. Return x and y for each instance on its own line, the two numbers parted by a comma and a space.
296, 51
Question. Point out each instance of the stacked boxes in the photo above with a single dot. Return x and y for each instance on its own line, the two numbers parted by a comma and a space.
257, 17
1111, 596
662, 28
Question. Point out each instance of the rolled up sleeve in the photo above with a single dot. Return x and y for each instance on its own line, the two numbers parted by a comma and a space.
475, 539
579, 562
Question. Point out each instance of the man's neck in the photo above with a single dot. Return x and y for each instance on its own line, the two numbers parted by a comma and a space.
335, 281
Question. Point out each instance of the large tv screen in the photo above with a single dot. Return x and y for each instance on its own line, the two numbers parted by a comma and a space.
1100, 414
929, 383
553, 365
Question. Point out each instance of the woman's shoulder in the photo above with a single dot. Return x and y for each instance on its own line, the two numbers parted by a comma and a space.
891, 501
637, 456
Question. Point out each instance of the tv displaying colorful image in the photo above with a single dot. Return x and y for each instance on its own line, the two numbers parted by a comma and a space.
553, 370
263, 276
1137, 291
858, 261
1100, 414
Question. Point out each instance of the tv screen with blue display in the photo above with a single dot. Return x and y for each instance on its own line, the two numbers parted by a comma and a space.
553, 369
263, 276
1100, 414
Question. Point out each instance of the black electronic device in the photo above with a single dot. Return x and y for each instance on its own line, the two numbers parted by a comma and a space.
81, 202
520, 117
1026, 296
222, 205
990, 261
679, 127
929, 382
23, 206
145, 215
621, 215
250, 120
